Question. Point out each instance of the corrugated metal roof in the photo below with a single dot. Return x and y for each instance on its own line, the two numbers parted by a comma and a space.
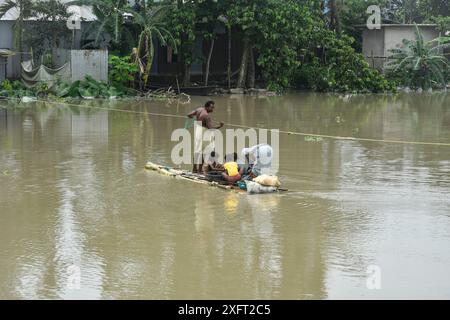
80, 12
385, 25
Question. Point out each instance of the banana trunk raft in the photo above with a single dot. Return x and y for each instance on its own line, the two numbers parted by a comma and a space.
252, 187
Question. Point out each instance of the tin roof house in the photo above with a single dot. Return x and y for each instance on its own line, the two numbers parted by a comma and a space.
378, 42
10, 59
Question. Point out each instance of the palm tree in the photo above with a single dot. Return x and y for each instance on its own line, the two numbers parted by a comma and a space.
151, 27
420, 63
24, 9
51, 10
110, 19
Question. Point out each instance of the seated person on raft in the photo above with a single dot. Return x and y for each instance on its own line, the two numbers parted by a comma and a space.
258, 160
232, 172
211, 164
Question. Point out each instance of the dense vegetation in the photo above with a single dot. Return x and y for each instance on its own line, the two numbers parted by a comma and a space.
86, 89
286, 43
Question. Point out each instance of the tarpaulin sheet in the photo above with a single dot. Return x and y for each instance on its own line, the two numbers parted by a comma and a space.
31, 76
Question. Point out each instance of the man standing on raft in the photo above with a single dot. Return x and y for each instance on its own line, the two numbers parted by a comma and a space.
203, 121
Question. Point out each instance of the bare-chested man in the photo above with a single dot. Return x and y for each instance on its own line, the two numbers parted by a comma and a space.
203, 116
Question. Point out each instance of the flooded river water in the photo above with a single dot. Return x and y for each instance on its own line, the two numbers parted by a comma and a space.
81, 218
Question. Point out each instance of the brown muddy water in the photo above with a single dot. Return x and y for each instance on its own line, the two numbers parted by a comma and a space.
81, 218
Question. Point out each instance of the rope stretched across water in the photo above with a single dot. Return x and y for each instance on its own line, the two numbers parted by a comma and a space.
304, 134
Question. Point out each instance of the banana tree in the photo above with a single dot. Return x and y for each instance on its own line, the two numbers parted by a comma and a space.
420, 63
151, 26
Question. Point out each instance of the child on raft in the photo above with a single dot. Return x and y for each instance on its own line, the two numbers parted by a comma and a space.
232, 172
212, 164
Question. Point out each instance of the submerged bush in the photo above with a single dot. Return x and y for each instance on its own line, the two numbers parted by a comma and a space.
15, 90
88, 88
121, 71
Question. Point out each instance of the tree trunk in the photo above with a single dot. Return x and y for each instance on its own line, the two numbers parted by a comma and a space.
18, 36
20, 26
334, 17
208, 62
185, 51
251, 69
244, 63
186, 74
229, 58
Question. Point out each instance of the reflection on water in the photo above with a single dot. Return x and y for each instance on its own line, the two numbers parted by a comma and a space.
74, 196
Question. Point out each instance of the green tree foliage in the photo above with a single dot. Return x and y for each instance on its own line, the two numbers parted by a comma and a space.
332, 64
181, 23
274, 31
294, 46
442, 22
434, 8
121, 71
405, 11
280, 41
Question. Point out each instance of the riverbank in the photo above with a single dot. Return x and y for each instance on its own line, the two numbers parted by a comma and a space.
90, 89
